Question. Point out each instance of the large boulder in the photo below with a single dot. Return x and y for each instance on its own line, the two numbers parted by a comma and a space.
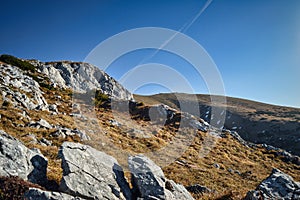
277, 186
18, 160
91, 174
149, 182
35, 193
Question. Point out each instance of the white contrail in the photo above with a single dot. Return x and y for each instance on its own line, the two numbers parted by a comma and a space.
184, 28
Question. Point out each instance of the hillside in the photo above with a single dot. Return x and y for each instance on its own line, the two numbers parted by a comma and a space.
256, 122
62, 140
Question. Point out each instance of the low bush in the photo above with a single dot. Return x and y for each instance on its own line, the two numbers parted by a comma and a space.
14, 188
24, 65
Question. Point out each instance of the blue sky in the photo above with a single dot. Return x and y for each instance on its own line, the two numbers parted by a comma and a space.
255, 44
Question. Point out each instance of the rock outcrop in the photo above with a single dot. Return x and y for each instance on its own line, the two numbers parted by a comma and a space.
16, 87
35, 193
18, 160
149, 181
63, 132
198, 189
91, 174
82, 77
277, 186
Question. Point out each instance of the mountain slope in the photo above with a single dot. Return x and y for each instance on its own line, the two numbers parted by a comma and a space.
254, 121
42, 114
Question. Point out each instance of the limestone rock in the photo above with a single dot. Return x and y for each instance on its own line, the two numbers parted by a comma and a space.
277, 186
11, 76
18, 160
89, 173
35, 193
198, 189
149, 181
64, 132
82, 77
40, 124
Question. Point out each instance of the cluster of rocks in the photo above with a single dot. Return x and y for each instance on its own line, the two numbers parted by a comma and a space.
92, 174
82, 77
61, 132
87, 174
16, 86
286, 156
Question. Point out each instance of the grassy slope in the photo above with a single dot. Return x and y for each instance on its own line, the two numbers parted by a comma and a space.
259, 122
190, 168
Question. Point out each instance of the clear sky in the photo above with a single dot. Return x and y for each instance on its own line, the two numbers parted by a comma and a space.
255, 44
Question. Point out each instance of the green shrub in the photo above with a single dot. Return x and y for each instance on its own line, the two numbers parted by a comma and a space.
24, 65
100, 98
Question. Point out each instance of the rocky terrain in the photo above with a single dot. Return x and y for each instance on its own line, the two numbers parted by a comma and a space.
70, 131
254, 121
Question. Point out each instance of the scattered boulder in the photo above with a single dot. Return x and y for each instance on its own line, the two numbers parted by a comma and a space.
198, 189
284, 155
188, 120
277, 186
18, 160
53, 108
40, 124
45, 142
149, 182
161, 111
35, 193
64, 132
91, 174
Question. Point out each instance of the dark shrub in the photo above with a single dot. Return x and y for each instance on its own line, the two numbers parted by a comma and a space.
24, 65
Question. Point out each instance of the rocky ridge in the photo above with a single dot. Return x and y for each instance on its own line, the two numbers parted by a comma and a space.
82, 77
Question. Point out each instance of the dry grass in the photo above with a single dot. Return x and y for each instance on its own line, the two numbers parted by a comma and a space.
15, 124
241, 168
189, 168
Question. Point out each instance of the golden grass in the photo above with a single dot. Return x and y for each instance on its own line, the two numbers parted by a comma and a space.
254, 165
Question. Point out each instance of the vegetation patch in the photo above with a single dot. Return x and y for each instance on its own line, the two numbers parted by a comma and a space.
14, 188
24, 65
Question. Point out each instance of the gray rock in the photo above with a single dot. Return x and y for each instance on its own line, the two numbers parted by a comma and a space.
114, 123
89, 173
176, 191
198, 189
64, 132
149, 181
284, 155
216, 165
45, 142
53, 108
11, 76
35, 193
82, 77
40, 124
189, 120
277, 186
18, 160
